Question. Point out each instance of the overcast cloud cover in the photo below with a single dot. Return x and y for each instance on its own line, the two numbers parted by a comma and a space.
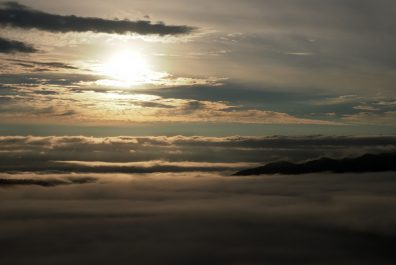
202, 218
299, 62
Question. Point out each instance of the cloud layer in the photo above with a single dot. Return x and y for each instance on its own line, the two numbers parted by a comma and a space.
16, 15
202, 219
174, 154
48, 96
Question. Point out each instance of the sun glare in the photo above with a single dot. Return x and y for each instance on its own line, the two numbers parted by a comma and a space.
126, 68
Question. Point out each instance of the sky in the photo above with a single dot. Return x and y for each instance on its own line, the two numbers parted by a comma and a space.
227, 132
154, 68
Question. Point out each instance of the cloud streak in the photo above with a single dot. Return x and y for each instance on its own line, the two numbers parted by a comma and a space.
11, 182
16, 15
49, 65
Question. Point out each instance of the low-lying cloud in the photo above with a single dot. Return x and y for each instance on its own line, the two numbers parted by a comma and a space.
126, 154
203, 219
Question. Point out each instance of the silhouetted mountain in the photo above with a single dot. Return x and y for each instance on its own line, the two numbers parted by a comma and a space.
365, 163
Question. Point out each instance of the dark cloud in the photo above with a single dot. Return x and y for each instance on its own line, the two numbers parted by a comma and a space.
12, 46
17, 15
45, 182
366, 163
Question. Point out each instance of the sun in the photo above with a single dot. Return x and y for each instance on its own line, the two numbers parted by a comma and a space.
127, 68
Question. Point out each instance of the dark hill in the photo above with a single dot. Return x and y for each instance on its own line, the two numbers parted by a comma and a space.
365, 163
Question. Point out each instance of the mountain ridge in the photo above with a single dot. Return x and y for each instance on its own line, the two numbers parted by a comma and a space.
365, 163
